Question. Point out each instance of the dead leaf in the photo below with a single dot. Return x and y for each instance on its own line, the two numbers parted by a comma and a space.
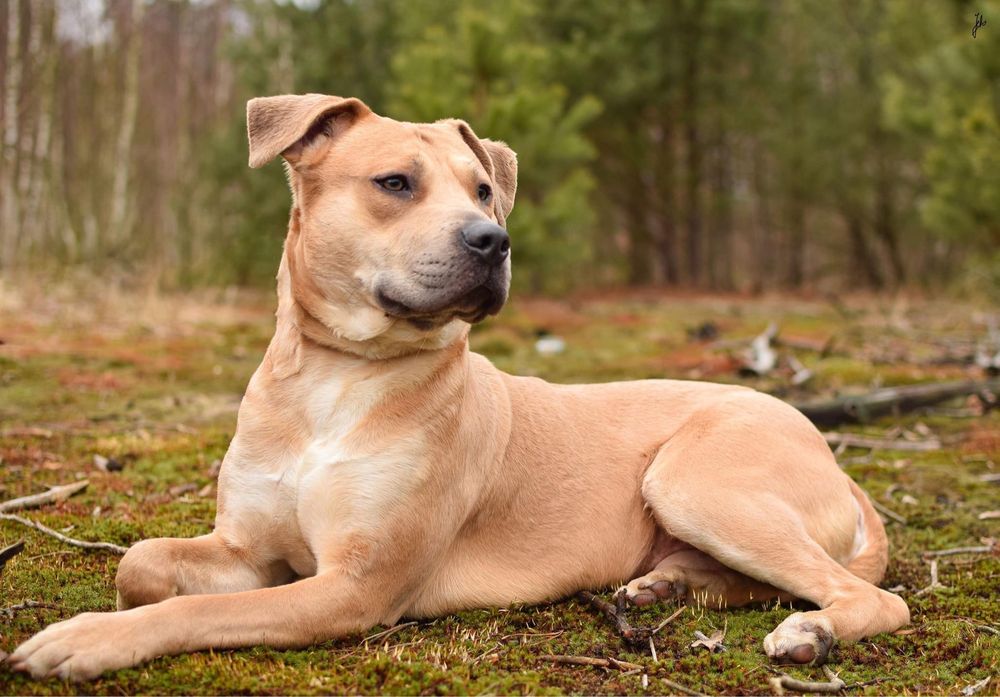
179, 489
712, 643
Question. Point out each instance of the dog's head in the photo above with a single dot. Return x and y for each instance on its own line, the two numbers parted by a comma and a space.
397, 230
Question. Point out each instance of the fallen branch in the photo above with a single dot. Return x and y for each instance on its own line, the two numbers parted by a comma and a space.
856, 440
787, 682
53, 495
887, 512
8, 553
617, 615
28, 605
589, 661
975, 687
680, 688
983, 549
108, 546
891, 400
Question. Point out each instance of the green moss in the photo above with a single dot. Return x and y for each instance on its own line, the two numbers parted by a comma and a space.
163, 404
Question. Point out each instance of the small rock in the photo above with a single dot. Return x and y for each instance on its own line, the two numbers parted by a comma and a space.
550, 345
107, 464
706, 331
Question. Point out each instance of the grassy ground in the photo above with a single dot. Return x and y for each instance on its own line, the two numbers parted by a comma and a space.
155, 384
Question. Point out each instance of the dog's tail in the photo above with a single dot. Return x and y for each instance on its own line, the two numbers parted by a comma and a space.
872, 555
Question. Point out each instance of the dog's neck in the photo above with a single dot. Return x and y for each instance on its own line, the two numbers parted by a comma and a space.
296, 326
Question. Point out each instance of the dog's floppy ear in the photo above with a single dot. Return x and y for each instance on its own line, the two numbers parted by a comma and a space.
500, 163
504, 176
288, 124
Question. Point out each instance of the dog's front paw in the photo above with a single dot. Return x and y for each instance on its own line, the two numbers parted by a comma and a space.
801, 638
80, 648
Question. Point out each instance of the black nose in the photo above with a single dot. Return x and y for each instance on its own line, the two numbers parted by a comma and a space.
488, 241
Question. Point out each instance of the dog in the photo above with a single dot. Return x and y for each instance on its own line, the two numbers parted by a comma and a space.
380, 469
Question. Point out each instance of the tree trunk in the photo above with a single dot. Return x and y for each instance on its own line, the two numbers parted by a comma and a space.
864, 266
885, 221
120, 216
721, 256
693, 145
664, 202
763, 241
796, 240
10, 214
640, 260
39, 199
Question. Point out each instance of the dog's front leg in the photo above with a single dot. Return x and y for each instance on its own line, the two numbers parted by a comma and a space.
315, 609
157, 569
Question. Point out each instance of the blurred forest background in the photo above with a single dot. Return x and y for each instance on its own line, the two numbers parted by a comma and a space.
718, 144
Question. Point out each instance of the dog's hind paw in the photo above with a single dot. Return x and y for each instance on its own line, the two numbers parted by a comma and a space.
652, 588
801, 638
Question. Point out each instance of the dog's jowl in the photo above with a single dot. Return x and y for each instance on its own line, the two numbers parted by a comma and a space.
381, 470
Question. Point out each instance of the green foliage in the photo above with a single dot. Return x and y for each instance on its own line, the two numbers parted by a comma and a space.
494, 70
724, 143
948, 105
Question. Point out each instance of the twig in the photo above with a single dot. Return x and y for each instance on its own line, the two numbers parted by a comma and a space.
652, 650
53, 495
616, 615
984, 549
887, 512
935, 584
866, 683
680, 688
390, 631
675, 615
787, 682
856, 440
8, 553
589, 661
109, 546
975, 687
28, 605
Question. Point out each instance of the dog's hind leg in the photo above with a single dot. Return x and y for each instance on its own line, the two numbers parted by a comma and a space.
157, 569
753, 486
691, 576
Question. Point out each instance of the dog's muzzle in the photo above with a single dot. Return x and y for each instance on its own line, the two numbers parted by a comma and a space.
470, 281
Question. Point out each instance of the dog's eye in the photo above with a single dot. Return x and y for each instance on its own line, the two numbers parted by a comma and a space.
485, 192
396, 182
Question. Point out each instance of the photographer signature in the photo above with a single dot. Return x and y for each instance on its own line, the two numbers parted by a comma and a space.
980, 22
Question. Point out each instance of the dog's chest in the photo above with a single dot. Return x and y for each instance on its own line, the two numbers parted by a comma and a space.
340, 480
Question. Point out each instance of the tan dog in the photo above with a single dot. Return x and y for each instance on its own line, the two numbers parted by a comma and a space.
381, 470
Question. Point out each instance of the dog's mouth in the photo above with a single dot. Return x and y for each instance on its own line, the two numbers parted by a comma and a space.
428, 313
